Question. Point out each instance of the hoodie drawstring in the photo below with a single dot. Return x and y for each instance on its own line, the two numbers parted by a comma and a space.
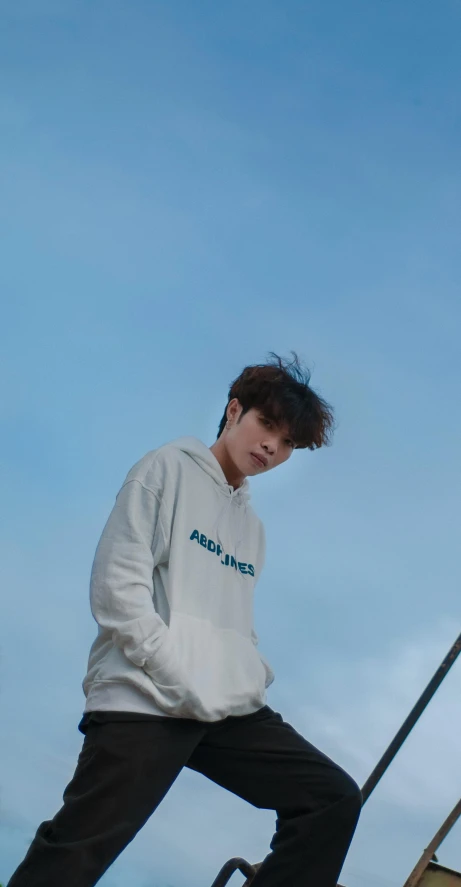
226, 512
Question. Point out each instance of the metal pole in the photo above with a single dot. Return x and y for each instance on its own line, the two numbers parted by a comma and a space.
423, 863
230, 867
250, 870
410, 722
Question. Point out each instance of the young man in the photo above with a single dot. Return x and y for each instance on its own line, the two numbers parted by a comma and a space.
175, 677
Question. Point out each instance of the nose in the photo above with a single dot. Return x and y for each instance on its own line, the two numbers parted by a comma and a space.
270, 447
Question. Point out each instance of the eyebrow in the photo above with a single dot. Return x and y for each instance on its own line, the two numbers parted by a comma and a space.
279, 425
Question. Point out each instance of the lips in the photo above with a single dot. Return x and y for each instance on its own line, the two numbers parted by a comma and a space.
261, 459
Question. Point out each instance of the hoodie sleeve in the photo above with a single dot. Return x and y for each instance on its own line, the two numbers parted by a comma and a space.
121, 587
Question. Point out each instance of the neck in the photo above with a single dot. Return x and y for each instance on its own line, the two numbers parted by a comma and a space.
233, 476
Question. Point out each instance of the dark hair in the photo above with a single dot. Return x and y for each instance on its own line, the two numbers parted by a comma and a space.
280, 390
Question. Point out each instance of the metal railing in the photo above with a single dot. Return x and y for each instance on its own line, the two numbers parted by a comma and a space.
233, 865
249, 870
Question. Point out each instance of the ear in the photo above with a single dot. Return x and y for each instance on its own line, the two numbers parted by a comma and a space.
234, 408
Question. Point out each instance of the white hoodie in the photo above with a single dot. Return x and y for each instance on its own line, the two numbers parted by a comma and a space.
172, 592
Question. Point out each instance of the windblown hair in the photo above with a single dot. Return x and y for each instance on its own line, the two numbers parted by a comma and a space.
280, 390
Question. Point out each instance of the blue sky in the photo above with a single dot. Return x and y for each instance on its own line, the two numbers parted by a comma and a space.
185, 187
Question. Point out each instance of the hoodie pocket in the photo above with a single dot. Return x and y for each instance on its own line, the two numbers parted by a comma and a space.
270, 676
222, 671
170, 687
163, 665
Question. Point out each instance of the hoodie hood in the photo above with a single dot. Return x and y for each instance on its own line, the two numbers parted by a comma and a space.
202, 455
231, 520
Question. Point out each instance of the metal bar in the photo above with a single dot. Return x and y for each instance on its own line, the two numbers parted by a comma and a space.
255, 867
426, 857
228, 869
410, 721
250, 870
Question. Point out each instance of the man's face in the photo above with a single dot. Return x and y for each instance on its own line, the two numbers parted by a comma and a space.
256, 444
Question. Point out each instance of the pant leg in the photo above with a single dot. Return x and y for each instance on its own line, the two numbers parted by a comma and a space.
266, 762
124, 770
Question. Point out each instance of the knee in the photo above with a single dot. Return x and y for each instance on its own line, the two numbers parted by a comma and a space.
347, 790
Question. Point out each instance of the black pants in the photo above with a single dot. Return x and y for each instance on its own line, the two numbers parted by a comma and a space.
126, 767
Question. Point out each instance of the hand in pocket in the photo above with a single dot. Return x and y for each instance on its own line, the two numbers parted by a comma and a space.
169, 677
